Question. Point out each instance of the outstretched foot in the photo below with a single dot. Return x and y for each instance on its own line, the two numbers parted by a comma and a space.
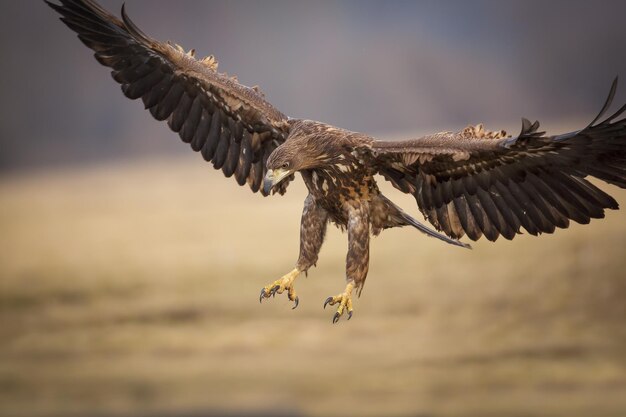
280, 285
344, 300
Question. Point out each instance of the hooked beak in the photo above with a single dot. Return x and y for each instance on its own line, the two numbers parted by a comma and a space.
273, 177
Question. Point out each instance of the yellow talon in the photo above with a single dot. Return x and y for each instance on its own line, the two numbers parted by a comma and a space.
280, 285
344, 300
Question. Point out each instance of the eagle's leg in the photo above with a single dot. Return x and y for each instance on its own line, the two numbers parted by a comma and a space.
312, 232
357, 260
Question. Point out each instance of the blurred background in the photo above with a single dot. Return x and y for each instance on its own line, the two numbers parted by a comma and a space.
130, 270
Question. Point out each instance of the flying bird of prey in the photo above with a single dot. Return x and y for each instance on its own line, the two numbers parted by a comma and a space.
473, 182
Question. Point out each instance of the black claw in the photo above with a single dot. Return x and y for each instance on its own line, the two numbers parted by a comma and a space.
274, 289
328, 300
349, 315
336, 318
262, 295
297, 301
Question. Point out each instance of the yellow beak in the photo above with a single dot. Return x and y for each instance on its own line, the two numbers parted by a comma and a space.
273, 177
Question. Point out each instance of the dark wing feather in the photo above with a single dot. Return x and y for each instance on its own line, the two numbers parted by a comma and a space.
483, 184
230, 124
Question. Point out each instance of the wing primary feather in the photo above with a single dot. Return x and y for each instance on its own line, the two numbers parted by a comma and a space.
479, 212
447, 193
615, 115
156, 93
607, 103
456, 228
514, 203
443, 220
539, 203
437, 199
528, 209
236, 130
602, 199
169, 103
607, 175
466, 217
266, 153
208, 150
222, 148
553, 199
256, 176
507, 211
426, 203
202, 131
79, 15
94, 30
589, 192
578, 196
93, 39
470, 185
499, 217
143, 85
180, 113
133, 30
130, 73
577, 211
245, 160
87, 6
232, 158
191, 122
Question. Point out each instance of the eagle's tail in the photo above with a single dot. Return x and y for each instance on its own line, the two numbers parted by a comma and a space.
422, 228
395, 217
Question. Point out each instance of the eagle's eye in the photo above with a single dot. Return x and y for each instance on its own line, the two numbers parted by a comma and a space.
285, 165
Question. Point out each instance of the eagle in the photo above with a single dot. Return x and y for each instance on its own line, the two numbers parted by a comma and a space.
475, 182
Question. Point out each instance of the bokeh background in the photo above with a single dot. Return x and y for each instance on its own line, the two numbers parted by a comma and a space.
130, 270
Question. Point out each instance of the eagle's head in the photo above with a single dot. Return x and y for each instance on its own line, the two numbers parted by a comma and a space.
310, 145
282, 163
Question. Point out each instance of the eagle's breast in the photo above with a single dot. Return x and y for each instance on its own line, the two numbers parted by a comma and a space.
338, 185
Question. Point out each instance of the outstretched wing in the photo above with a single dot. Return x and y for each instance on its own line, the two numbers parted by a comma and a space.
481, 183
230, 124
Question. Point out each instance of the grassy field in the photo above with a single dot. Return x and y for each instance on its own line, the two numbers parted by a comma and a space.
132, 289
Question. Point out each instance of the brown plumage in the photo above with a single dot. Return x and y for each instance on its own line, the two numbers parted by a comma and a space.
474, 182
